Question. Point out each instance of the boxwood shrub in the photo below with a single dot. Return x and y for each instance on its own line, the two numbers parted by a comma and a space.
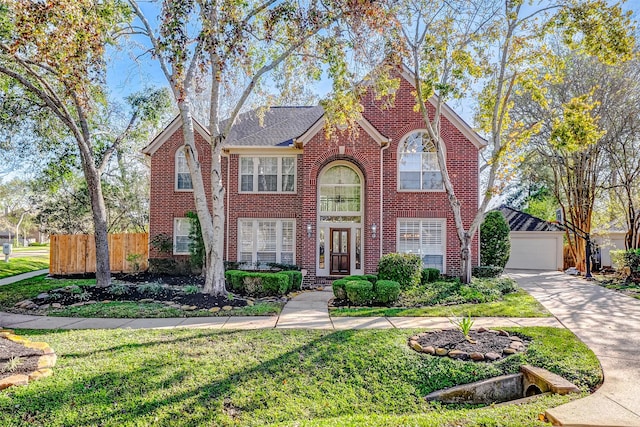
487, 271
386, 291
338, 289
406, 269
295, 279
430, 275
258, 284
359, 292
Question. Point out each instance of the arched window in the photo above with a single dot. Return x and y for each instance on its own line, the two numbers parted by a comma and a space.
418, 164
183, 177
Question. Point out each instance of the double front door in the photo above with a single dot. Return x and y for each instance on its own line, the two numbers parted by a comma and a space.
340, 261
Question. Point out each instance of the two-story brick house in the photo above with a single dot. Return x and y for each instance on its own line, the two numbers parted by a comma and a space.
333, 207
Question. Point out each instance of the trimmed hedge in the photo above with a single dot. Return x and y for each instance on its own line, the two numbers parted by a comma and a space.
429, 275
295, 279
487, 271
406, 269
338, 288
258, 284
386, 291
359, 292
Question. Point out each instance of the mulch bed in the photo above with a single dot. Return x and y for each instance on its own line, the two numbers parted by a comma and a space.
454, 339
27, 358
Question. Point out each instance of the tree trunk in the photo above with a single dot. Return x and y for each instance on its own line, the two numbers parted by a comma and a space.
465, 255
216, 262
99, 212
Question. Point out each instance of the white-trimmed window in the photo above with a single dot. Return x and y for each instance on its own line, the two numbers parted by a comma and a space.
424, 237
181, 239
183, 176
266, 240
418, 168
267, 174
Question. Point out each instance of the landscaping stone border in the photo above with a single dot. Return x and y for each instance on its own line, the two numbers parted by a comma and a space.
516, 345
45, 362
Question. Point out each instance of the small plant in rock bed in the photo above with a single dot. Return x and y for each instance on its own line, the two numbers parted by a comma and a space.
191, 289
153, 289
118, 289
464, 324
12, 364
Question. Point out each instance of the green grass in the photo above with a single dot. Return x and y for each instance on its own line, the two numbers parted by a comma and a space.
271, 377
517, 304
29, 288
22, 265
618, 284
27, 249
124, 309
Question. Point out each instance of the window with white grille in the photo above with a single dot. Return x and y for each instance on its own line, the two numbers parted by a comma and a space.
425, 238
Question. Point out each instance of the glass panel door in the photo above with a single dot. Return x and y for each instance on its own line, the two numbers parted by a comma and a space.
340, 260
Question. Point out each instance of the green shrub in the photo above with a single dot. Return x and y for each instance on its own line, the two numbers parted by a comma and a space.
118, 289
152, 289
429, 275
338, 289
359, 292
191, 289
295, 279
283, 267
494, 240
258, 284
632, 260
371, 278
505, 285
617, 259
487, 271
406, 269
386, 291
234, 280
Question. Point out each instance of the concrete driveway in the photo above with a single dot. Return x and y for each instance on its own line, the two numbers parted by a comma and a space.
609, 323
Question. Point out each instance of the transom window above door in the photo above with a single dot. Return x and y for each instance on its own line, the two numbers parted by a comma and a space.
418, 168
340, 190
267, 174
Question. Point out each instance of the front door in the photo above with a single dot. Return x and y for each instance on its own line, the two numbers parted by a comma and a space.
339, 254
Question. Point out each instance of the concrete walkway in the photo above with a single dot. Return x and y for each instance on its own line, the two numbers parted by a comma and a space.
23, 276
607, 322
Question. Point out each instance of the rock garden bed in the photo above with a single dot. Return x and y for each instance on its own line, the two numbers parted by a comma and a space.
22, 361
176, 292
481, 345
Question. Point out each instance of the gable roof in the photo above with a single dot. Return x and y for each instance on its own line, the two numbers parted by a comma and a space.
520, 221
171, 128
448, 113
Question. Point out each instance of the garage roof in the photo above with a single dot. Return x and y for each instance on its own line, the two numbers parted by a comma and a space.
520, 221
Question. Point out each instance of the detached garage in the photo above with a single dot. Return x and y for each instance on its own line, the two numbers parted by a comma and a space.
535, 244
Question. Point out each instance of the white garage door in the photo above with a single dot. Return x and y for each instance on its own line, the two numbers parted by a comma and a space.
534, 252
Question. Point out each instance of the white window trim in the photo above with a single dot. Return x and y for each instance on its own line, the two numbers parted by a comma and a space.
443, 221
178, 152
254, 230
399, 157
175, 236
279, 176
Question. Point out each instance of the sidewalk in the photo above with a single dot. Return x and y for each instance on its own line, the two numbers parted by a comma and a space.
23, 276
607, 322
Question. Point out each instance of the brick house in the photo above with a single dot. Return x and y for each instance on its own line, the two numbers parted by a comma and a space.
333, 207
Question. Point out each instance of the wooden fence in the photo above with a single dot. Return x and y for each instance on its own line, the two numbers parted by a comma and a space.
76, 253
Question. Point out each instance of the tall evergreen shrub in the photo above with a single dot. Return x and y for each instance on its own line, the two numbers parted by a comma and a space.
495, 245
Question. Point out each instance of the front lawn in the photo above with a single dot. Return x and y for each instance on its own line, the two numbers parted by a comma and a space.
499, 297
23, 265
267, 377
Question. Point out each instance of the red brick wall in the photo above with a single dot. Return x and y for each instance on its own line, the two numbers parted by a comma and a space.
360, 150
165, 203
